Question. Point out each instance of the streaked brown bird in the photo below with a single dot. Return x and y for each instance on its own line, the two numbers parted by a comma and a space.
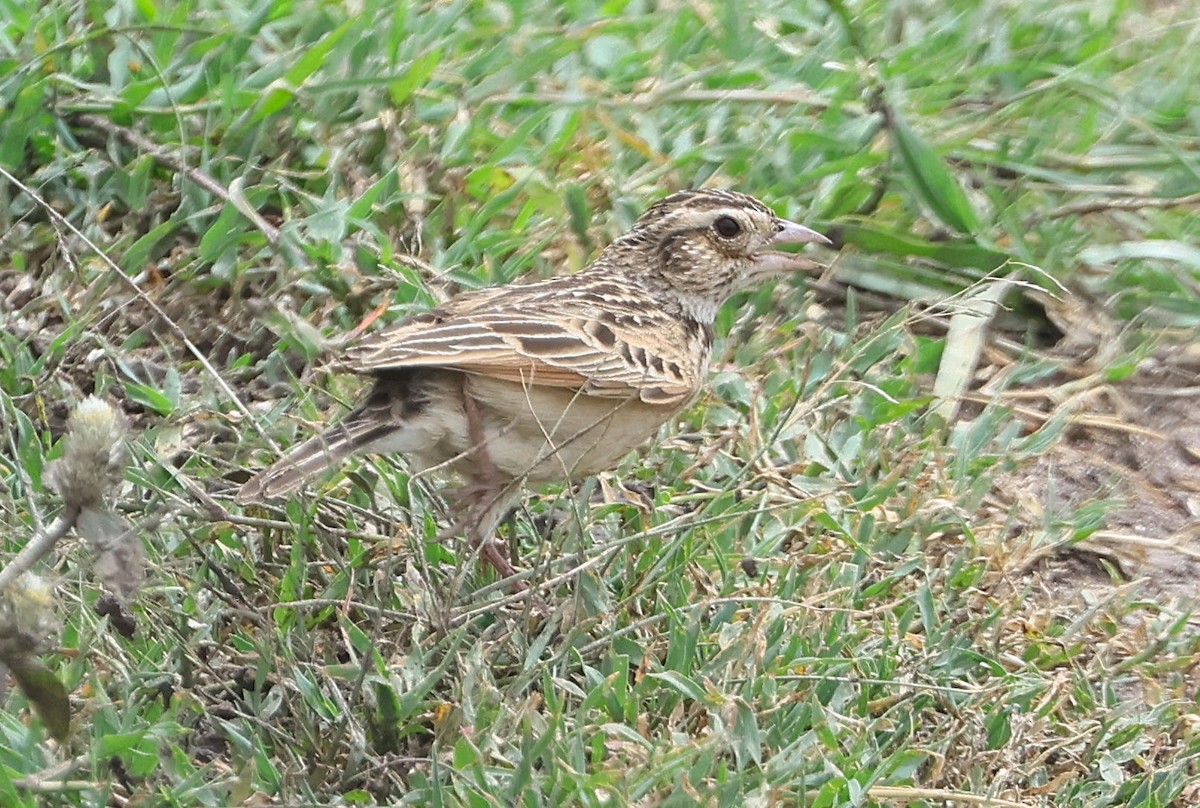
559, 379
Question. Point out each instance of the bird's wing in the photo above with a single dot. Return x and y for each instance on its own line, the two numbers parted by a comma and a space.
599, 350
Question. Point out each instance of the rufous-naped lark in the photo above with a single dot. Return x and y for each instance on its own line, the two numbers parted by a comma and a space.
558, 379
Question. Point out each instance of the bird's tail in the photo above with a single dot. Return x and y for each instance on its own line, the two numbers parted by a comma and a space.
317, 454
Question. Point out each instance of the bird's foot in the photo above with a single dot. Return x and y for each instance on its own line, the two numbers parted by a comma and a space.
493, 555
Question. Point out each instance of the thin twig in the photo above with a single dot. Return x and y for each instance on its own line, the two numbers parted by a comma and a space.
341, 605
173, 160
50, 778
655, 98
55, 786
906, 794
41, 544
1116, 537
1084, 207
1108, 422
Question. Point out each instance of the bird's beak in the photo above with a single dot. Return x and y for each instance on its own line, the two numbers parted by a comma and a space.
792, 233
777, 263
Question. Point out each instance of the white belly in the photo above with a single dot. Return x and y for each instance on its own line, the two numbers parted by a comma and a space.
543, 434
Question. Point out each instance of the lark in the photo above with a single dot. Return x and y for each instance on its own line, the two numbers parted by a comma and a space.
530, 384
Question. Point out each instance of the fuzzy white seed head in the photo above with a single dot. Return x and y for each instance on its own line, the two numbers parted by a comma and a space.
94, 454
29, 623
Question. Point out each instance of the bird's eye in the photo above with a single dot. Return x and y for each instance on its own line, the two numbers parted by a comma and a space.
727, 227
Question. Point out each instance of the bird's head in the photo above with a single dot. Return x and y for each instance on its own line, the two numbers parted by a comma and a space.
706, 245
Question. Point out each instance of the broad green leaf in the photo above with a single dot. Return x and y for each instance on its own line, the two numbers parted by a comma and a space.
419, 71
932, 180
222, 234
680, 683
45, 693
148, 8
952, 253
140, 251
361, 207
119, 743
314, 56
150, 397
277, 97
17, 123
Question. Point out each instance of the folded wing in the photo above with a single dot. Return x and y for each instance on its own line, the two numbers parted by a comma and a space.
593, 350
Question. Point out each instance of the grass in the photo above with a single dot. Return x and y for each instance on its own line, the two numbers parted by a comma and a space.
815, 590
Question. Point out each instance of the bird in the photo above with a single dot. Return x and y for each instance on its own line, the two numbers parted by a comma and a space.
529, 384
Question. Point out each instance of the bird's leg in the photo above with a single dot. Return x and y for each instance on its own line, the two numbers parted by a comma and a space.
491, 552
482, 508
479, 447
485, 492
